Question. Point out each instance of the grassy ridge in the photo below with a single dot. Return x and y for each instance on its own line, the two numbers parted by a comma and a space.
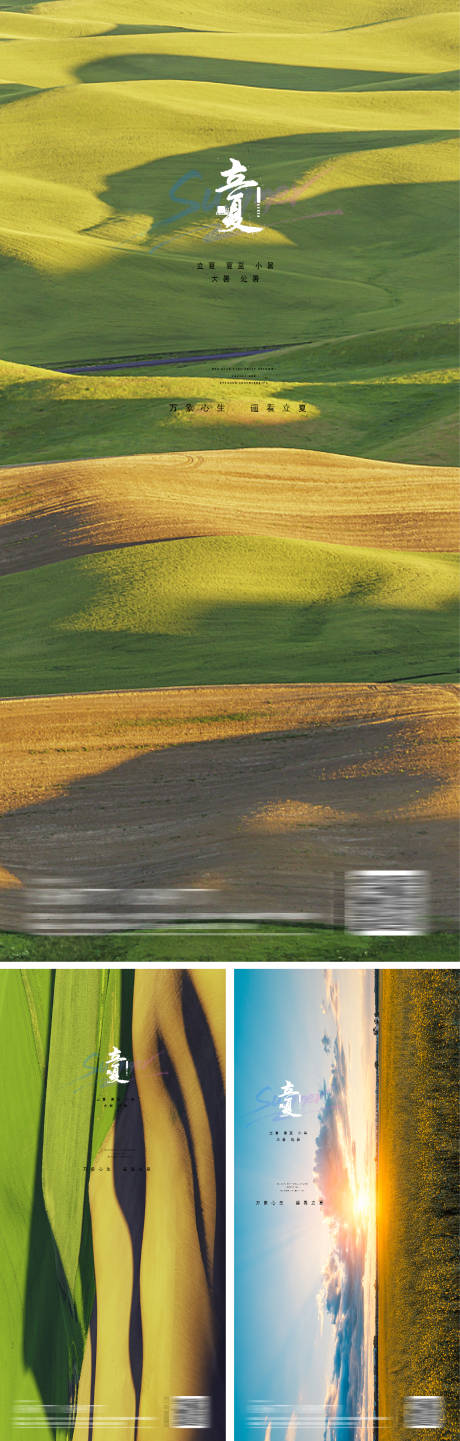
227, 608
81, 264
418, 1228
126, 17
397, 408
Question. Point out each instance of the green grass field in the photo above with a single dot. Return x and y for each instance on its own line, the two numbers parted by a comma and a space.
227, 608
418, 1191
391, 409
222, 946
48, 1023
106, 251
104, 113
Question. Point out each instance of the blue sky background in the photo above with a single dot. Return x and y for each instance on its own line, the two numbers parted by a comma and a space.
279, 1251
282, 1354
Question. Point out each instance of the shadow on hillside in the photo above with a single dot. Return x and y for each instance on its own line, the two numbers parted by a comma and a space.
9, 93
277, 163
171, 817
53, 1339
217, 71
72, 528
20, 5
155, 30
350, 640
360, 270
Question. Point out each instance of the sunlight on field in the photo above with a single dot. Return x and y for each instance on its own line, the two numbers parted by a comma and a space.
7, 879
293, 815
141, 122
444, 802
229, 608
50, 416
49, 742
349, 129
267, 489
418, 1231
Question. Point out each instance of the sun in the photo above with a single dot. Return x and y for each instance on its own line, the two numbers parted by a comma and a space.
362, 1202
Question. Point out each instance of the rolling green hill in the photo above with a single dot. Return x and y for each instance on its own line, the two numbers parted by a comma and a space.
88, 17
228, 609
113, 136
393, 409
89, 248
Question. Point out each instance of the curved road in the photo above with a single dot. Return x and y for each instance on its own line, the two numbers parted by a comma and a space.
149, 362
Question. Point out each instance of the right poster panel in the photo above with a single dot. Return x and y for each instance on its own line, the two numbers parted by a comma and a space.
346, 1222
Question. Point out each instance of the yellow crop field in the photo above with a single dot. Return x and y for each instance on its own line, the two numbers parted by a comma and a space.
53, 511
418, 1193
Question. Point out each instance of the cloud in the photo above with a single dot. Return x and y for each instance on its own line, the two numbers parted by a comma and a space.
292, 1428
326, 1043
332, 996
341, 1296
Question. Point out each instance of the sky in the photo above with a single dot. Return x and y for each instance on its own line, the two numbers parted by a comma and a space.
305, 1299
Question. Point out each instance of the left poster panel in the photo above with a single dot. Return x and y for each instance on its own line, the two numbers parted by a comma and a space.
112, 1203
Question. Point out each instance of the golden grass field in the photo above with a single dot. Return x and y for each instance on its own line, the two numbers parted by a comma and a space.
262, 793
48, 742
49, 512
418, 1194
237, 566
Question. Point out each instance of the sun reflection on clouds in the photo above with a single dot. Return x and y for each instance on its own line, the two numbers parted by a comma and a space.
292, 1428
345, 1188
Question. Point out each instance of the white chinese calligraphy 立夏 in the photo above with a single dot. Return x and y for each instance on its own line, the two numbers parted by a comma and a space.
113, 1063
236, 184
286, 1097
